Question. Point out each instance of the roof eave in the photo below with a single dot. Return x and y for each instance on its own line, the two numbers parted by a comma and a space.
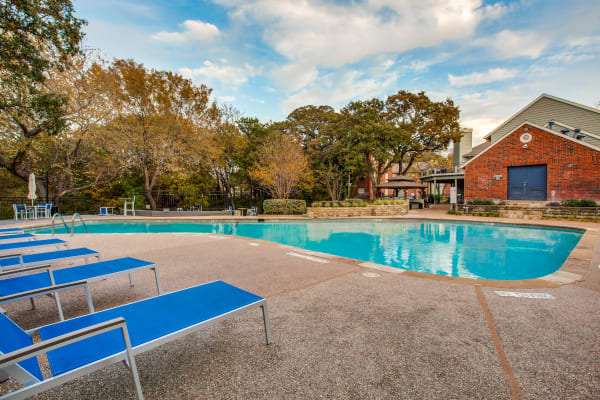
533, 126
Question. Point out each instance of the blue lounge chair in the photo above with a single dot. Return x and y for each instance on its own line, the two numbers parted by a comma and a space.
32, 260
14, 287
34, 244
10, 231
20, 236
81, 345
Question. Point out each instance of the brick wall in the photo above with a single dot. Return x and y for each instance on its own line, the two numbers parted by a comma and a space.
573, 170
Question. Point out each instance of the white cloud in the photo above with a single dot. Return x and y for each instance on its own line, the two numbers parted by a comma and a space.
421, 65
495, 11
326, 34
226, 99
336, 89
481, 127
387, 64
193, 30
227, 74
292, 77
478, 78
511, 44
577, 50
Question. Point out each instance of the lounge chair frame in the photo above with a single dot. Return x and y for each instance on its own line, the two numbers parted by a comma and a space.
46, 263
34, 386
34, 245
54, 289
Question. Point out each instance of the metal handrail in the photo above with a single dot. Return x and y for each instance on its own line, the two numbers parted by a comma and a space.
63, 221
73, 223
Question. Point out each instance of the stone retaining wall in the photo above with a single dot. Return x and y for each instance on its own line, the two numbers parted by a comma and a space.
528, 212
368, 211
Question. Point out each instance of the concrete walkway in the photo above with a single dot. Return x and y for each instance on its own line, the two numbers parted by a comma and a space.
338, 333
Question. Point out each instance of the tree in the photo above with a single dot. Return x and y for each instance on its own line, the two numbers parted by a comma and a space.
372, 138
282, 167
157, 114
36, 37
431, 125
222, 146
315, 128
256, 134
308, 123
82, 155
77, 156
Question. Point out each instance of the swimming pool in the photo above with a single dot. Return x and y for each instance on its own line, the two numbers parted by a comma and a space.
460, 249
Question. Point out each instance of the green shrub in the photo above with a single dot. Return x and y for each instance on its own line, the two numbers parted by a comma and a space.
481, 202
326, 204
378, 202
335, 205
346, 204
579, 203
315, 204
284, 206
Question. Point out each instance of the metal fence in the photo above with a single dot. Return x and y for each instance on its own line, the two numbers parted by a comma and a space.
210, 201
67, 205
173, 200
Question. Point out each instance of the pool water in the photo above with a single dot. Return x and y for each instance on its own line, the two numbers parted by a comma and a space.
460, 249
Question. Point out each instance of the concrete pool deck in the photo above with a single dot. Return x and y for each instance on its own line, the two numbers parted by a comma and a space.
338, 333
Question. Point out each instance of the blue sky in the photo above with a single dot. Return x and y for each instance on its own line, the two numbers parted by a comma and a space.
267, 57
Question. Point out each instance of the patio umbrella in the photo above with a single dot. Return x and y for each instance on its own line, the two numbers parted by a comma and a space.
32, 195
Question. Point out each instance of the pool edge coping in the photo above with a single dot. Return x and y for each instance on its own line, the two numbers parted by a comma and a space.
571, 271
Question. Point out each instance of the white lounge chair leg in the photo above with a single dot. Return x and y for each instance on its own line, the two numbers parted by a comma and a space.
89, 298
267, 323
60, 311
132, 366
130, 279
156, 276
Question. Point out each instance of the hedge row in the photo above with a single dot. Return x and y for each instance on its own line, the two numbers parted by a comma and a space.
284, 206
579, 203
481, 202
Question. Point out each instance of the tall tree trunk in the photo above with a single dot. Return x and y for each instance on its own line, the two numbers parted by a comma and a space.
148, 188
374, 177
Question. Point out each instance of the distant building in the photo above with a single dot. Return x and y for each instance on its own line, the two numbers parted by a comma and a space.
364, 188
547, 151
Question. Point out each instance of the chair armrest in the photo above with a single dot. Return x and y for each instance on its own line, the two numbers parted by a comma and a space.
63, 340
42, 291
10, 255
21, 271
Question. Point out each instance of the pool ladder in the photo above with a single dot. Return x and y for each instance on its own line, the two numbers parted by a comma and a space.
72, 223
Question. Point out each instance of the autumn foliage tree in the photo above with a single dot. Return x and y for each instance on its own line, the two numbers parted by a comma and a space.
157, 114
282, 167
37, 37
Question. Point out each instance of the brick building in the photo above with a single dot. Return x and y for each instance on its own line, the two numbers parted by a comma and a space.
548, 151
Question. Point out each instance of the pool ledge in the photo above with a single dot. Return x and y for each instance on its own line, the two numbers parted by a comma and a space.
574, 269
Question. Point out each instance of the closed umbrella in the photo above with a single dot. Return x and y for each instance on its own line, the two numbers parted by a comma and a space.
32, 195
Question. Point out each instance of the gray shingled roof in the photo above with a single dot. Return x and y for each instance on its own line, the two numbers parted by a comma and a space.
478, 149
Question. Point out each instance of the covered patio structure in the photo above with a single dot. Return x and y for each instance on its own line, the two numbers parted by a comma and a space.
404, 183
454, 179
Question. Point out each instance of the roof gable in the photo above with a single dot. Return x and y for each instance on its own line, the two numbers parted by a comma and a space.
560, 135
547, 108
